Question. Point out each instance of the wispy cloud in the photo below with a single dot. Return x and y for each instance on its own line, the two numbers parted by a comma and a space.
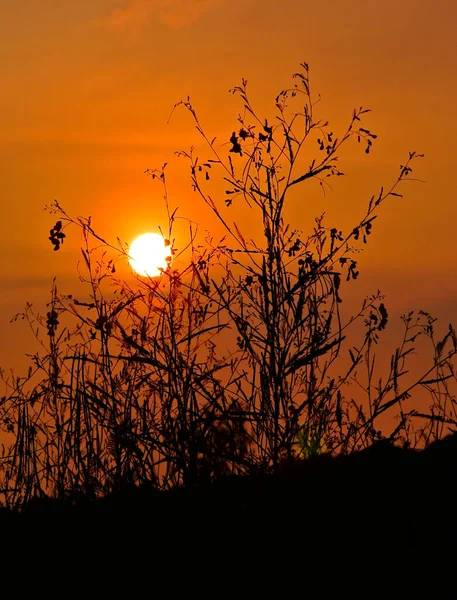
136, 14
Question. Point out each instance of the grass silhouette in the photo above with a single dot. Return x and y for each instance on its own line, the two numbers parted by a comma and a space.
210, 405
381, 517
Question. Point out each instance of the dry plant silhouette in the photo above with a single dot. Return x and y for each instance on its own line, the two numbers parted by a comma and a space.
230, 364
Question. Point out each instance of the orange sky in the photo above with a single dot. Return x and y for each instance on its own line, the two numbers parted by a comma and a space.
88, 86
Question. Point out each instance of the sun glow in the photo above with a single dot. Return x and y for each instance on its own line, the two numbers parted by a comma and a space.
149, 255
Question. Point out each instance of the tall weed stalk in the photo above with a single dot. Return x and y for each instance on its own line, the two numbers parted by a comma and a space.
231, 364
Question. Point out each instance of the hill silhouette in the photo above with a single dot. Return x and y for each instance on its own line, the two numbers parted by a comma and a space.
384, 514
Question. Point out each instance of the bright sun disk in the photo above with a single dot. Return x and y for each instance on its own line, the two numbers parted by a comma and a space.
148, 255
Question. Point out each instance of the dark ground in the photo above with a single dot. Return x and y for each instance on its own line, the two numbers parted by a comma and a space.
380, 523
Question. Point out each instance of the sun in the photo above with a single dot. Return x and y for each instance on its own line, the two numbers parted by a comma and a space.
149, 255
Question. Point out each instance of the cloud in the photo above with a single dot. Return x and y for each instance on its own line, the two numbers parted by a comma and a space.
136, 14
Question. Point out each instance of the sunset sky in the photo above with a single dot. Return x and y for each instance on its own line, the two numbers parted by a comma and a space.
88, 87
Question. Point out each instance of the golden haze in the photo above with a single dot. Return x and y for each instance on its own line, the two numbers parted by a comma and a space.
87, 89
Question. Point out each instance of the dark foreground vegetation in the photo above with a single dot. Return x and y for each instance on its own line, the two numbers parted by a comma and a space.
226, 423
384, 516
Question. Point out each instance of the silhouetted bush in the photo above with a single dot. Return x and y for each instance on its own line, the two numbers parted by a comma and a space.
228, 365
